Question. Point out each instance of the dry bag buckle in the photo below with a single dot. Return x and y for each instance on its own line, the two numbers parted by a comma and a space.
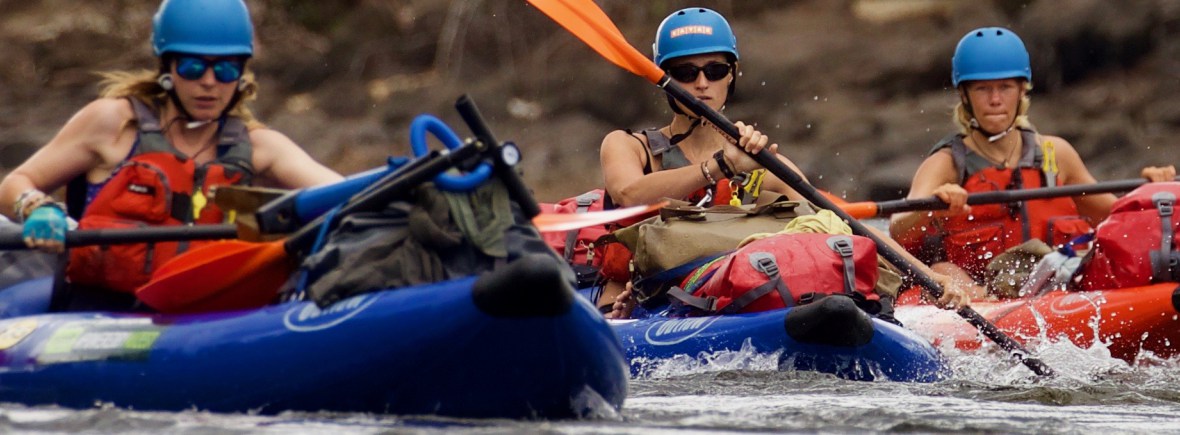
764, 262
1165, 206
842, 246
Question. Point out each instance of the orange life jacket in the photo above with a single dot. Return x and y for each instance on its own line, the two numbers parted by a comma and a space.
971, 241
157, 185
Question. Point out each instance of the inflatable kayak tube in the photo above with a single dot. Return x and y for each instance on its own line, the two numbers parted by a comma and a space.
515, 343
1130, 322
830, 335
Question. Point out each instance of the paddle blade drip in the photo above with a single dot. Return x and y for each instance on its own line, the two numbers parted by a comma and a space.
589, 23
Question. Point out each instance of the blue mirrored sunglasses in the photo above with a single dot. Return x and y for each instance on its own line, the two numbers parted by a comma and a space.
224, 70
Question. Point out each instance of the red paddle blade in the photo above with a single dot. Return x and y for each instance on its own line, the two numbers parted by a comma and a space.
589, 23
554, 222
221, 276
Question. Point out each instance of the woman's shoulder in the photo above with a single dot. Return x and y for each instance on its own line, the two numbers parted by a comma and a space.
265, 137
1060, 148
625, 135
107, 110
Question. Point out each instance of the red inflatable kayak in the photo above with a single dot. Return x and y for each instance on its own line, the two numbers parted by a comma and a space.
1130, 321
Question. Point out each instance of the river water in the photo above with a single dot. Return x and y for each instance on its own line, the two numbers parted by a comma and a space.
739, 392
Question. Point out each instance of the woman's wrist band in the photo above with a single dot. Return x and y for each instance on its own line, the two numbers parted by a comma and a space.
26, 202
726, 170
705, 171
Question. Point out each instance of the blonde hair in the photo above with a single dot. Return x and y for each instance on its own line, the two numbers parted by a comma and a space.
963, 117
143, 85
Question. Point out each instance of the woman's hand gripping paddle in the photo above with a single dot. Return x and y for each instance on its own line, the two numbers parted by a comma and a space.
585, 20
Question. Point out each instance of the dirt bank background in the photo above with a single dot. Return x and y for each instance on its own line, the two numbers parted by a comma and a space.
855, 90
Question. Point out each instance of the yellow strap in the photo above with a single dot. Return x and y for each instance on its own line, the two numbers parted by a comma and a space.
753, 185
199, 203
1049, 163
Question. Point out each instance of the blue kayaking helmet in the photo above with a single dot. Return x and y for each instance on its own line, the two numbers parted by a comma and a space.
206, 27
693, 31
990, 53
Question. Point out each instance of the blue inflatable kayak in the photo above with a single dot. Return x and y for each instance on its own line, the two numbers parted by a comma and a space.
830, 335
515, 343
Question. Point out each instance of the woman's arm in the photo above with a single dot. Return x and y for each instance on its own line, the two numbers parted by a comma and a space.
279, 162
88, 141
935, 177
623, 156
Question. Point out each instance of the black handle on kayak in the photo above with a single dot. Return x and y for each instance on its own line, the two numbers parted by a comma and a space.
384, 191
795, 181
113, 236
505, 155
885, 208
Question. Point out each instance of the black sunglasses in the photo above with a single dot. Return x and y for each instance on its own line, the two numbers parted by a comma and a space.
224, 70
687, 73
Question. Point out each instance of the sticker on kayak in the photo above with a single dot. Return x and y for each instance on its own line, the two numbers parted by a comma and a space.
14, 332
308, 317
677, 330
99, 340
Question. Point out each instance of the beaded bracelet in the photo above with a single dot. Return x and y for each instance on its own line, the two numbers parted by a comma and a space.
705, 171
26, 203
726, 170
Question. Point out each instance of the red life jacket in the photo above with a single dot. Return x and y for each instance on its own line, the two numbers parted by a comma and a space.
157, 185
1136, 244
971, 241
785, 270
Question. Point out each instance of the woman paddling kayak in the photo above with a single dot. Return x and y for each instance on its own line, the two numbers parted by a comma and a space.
698, 49
150, 149
996, 148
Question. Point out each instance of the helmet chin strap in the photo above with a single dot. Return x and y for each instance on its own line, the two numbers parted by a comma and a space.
993, 137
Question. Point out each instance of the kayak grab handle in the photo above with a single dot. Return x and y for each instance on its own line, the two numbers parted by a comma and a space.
423, 124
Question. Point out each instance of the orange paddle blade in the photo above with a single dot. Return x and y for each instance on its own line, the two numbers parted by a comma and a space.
554, 222
860, 210
229, 275
589, 23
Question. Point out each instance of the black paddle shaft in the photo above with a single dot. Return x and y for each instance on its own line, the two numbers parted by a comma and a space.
885, 208
793, 179
113, 236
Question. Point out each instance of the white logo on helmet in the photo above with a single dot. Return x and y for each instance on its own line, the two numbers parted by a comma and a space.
691, 30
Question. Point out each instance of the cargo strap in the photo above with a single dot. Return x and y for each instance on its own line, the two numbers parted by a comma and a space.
763, 262
1164, 262
843, 247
